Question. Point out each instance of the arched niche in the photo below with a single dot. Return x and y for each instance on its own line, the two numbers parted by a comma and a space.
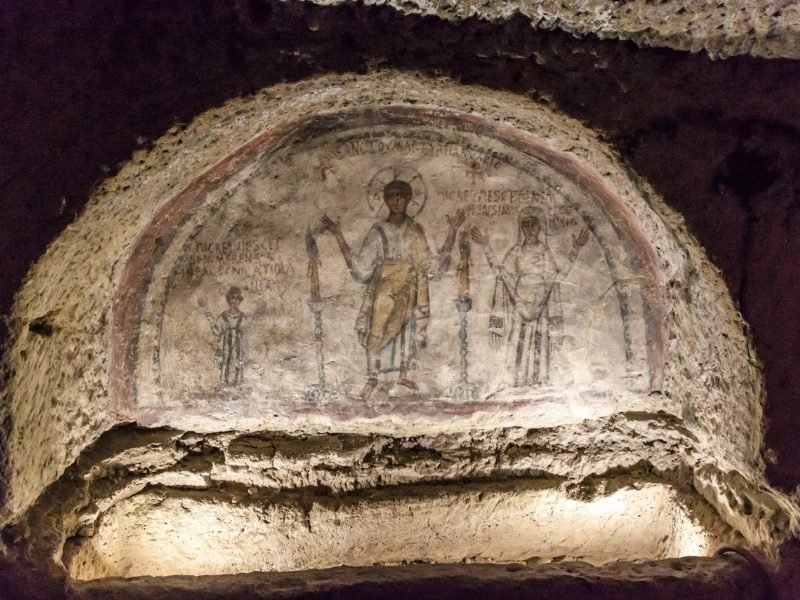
558, 326
191, 423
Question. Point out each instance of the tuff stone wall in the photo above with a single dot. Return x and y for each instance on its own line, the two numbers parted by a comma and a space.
677, 436
706, 345
717, 139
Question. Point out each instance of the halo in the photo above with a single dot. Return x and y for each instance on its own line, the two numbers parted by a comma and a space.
534, 211
407, 174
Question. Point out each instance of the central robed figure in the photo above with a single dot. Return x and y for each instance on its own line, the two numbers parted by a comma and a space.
395, 262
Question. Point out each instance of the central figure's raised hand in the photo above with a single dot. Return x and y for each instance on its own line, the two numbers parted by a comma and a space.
579, 241
458, 220
480, 238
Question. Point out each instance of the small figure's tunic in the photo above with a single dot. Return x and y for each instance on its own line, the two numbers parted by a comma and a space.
395, 263
229, 356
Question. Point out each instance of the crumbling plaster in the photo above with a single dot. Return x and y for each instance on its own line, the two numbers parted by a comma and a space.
711, 380
724, 484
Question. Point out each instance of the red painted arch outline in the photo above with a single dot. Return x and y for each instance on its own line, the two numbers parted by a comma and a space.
157, 236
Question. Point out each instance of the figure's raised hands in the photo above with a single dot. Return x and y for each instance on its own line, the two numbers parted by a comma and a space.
331, 225
480, 238
579, 241
458, 220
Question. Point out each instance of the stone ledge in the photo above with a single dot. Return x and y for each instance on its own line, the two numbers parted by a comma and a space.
685, 578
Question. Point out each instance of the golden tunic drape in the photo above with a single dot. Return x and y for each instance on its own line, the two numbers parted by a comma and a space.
394, 262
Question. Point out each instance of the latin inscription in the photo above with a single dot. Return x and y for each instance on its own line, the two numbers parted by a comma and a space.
470, 154
257, 265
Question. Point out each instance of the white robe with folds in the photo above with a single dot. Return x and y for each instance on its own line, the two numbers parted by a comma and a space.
526, 309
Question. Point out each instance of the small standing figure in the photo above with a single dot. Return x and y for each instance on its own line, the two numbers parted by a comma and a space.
526, 310
231, 342
395, 263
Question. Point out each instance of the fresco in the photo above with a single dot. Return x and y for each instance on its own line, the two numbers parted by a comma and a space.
394, 270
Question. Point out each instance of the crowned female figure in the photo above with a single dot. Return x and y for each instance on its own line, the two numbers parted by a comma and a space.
526, 313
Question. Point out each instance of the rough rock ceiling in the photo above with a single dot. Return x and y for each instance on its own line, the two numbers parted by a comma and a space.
722, 29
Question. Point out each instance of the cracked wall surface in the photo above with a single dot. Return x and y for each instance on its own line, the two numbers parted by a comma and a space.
716, 139
94, 390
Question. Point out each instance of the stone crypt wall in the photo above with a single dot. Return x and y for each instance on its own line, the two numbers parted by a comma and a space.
165, 412
623, 309
213, 305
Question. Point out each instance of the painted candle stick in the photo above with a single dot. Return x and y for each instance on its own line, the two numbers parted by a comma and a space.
463, 390
463, 266
318, 392
313, 266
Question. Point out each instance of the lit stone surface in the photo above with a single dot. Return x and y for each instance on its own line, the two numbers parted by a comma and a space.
663, 390
153, 534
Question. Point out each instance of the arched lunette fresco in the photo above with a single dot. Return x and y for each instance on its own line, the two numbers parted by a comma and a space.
602, 221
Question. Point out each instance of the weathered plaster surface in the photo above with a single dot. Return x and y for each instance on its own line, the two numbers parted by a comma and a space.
716, 138
53, 418
252, 234
696, 435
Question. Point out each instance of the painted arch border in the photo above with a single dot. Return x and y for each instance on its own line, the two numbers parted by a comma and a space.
158, 234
